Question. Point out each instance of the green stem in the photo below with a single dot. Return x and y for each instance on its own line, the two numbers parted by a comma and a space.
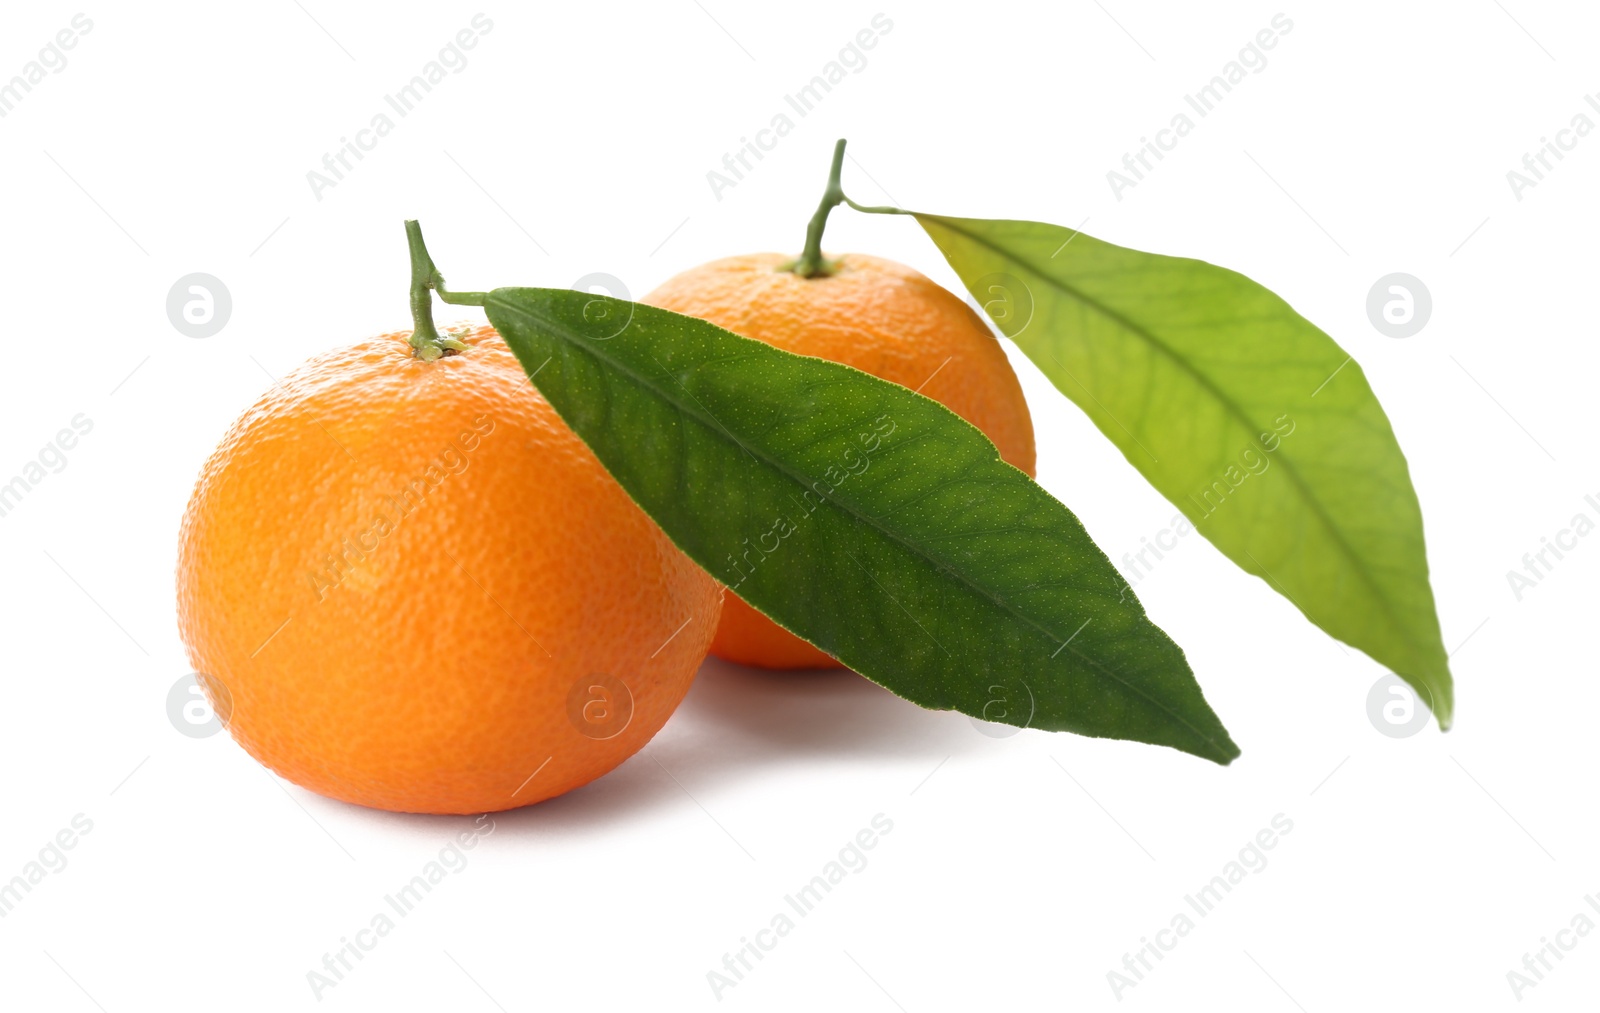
880, 209
423, 333
811, 263
426, 279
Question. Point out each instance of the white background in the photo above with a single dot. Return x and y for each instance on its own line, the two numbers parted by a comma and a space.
1019, 870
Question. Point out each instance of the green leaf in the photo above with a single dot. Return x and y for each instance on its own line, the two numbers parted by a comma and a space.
1252, 421
865, 518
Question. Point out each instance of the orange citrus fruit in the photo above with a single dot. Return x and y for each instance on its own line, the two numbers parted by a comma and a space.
408, 585
882, 318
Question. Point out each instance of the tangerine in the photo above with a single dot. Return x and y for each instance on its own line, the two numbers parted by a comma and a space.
881, 317
408, 585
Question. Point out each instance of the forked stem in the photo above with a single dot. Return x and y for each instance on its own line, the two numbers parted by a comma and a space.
426, 342
811, 263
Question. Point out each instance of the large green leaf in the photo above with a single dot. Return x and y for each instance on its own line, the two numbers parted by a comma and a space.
1252, 421
867, 519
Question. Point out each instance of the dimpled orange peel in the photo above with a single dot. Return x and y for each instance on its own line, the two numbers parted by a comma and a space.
403, 582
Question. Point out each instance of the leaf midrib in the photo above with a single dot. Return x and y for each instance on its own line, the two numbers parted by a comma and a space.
573, 340
1228, 403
